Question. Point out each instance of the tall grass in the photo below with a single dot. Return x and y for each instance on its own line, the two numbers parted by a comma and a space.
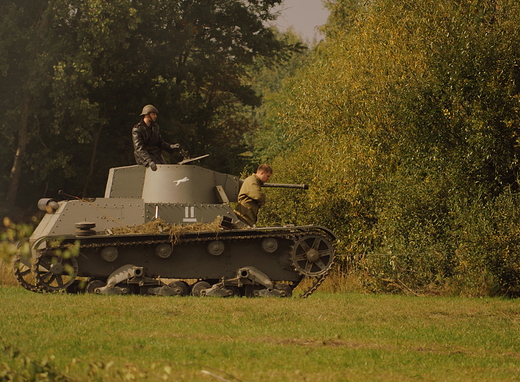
6, 274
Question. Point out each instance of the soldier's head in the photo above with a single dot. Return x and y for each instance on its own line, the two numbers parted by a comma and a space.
149, 113
263, 172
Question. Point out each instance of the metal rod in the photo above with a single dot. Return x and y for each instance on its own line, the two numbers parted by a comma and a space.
282, 185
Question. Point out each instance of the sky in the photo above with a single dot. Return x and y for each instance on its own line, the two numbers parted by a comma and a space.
304, 16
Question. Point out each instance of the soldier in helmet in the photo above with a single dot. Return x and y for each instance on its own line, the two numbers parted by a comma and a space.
251, 197
148, 143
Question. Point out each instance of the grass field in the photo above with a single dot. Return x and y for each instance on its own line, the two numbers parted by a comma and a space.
327, 337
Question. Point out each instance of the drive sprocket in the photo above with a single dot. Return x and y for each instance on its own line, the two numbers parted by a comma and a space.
53, 272
312, 255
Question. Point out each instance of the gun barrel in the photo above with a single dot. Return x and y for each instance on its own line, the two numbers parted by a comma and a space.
283, 185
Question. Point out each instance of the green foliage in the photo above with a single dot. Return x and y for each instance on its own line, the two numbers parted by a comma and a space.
27, 369
21, 367
488, 254
14, 239
404, 121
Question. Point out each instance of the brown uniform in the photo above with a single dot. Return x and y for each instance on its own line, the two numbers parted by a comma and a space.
250, 199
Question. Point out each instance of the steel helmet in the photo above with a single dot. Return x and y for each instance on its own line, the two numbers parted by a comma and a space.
149, 109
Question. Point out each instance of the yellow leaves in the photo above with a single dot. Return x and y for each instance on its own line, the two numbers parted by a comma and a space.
378, 116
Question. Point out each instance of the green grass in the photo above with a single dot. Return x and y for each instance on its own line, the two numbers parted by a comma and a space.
327, 337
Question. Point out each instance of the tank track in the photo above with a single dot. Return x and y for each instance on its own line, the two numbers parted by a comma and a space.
99, 241
319, 280
23, 274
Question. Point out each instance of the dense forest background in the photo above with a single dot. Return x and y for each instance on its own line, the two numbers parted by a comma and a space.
404, 120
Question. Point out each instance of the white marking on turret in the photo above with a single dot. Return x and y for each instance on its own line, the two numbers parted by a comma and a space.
177, 182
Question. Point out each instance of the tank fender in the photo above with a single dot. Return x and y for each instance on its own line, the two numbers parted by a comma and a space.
327, 231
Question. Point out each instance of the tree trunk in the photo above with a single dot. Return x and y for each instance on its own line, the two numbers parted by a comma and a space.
92, 161
23, 133
16, 170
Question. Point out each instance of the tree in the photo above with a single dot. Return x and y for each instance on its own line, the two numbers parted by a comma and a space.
404, 119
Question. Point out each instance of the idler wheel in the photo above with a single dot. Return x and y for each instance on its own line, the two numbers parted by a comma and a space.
198, 287
94, 285
312, 255
180, 288
54, 272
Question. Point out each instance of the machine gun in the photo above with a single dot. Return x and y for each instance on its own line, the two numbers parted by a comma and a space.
280, 185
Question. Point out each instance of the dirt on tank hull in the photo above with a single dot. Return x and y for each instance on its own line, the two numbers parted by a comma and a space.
169, 232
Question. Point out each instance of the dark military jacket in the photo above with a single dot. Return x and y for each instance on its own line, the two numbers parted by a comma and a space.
148, 144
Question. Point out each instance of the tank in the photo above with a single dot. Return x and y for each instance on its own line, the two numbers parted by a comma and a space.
170, 232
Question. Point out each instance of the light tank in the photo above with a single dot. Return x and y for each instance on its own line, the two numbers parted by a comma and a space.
170, 232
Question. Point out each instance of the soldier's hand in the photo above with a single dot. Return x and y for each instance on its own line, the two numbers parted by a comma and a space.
175, 146
153, 166
185, 154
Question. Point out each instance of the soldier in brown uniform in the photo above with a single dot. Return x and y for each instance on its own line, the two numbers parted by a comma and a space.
148, 143
251, 197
